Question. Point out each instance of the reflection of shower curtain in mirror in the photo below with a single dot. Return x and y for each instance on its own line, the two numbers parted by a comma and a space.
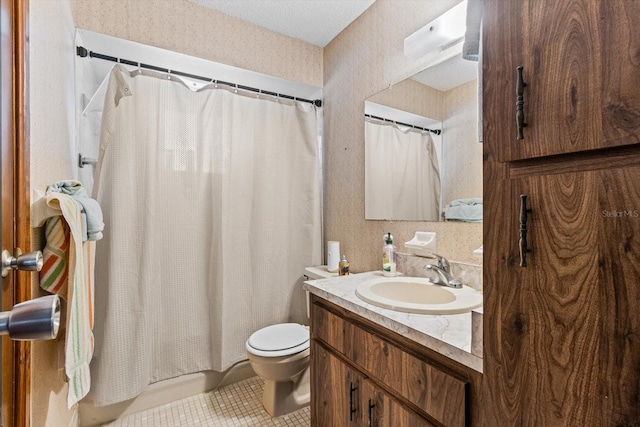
212, 210
402, 176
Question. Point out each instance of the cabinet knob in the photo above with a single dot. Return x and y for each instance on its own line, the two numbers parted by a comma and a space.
520, 85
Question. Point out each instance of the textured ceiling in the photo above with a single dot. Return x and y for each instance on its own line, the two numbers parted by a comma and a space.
313, 21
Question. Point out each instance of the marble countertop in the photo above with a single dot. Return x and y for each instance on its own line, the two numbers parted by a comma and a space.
449, 335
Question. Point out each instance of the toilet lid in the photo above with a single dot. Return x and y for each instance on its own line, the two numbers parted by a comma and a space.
279, 337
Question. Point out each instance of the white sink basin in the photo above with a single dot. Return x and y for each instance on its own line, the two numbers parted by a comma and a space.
418, 295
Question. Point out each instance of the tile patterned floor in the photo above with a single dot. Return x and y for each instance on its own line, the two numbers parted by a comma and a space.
235, 405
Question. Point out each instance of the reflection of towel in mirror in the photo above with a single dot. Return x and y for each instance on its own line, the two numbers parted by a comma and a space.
91, 208
467, 210
472, 49
472, 35
469, 202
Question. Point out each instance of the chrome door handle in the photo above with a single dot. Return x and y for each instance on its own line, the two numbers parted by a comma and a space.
36, 319
31, 261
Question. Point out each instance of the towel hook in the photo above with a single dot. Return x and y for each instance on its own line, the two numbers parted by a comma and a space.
83, 161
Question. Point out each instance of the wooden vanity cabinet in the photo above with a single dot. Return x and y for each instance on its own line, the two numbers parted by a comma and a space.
337, 390
343, 397
363, 374
380, 409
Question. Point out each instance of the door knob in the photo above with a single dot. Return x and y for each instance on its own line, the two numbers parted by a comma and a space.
31, 261
36, 319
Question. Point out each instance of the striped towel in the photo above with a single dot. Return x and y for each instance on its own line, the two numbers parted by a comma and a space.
68, 271
55, 270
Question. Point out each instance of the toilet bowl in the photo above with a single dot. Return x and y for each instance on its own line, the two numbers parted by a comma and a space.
279, 354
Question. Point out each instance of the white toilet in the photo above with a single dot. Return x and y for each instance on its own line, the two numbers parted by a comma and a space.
279, 354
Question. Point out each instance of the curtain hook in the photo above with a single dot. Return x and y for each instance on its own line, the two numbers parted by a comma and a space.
139, 69
236, 89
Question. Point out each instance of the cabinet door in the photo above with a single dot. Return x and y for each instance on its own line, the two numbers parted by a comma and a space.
381, 410
561, 335
336, 391
581, 64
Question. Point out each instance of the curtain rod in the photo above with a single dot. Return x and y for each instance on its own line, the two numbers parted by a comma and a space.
83, 53
436, 131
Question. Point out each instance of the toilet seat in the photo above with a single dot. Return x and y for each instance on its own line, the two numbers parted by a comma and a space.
279, 340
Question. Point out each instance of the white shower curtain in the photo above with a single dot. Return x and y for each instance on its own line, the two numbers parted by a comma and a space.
402, 178
212, 209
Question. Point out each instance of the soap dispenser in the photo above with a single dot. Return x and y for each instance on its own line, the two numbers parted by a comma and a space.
388, 256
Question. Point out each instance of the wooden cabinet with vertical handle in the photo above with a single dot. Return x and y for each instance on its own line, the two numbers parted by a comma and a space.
345, 397
561, 329
563, 337
338, 390
581, 64
382, 410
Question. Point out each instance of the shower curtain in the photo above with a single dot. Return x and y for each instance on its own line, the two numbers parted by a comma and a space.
402, 178
212, 209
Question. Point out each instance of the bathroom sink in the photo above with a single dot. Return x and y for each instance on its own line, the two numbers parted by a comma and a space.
418, 295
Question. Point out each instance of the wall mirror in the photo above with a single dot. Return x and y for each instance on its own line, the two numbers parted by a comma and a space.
423, 159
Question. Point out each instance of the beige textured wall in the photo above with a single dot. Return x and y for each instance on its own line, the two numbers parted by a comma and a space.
462, 152
364, 59
413, 97
51, 128
186, 27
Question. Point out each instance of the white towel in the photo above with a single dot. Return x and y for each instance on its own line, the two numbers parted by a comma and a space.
79, 296
473, 34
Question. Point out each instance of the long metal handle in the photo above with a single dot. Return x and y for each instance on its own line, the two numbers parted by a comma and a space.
520, 85
524, 213
352, 410
371, 406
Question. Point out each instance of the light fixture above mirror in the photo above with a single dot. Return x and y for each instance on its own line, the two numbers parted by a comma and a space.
438, 35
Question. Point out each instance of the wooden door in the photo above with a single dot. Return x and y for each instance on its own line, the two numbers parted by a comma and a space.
381, 410
581, 65
15, 203
561, 343
336, 390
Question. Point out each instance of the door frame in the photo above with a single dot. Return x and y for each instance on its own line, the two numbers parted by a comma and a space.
16, 230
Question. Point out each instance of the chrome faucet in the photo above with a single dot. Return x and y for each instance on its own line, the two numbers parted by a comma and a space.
443, 272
